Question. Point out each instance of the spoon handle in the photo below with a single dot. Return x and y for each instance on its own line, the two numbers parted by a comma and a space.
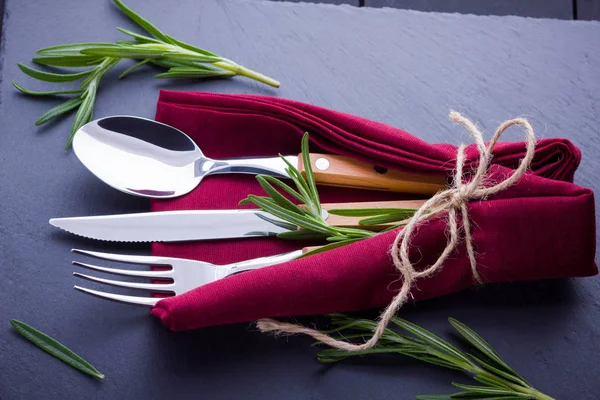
273, 166
334, 170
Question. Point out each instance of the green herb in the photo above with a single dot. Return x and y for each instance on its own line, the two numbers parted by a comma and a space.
55, 348
181, 60
310, 216
498, 380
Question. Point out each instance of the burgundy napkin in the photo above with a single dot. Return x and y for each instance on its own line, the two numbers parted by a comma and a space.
543, 227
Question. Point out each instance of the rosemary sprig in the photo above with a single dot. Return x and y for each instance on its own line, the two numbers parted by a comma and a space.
497, 379
182, 60
55, 348
310, 216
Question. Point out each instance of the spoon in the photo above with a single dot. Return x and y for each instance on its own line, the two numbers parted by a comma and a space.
146, 158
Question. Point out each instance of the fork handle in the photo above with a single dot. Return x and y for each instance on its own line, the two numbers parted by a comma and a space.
256, 263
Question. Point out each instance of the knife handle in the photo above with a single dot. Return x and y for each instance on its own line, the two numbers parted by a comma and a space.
352, 222
334, 170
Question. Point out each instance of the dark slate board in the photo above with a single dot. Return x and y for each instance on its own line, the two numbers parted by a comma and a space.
588, 10
560, 9
404, 68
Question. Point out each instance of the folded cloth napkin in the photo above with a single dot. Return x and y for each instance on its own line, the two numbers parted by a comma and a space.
543, 227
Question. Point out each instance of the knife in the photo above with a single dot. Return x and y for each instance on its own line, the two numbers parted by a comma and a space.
175, 226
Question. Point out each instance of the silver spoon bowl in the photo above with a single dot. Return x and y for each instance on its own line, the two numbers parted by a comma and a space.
146, 158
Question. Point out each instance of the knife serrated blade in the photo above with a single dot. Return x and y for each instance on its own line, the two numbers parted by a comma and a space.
174, 226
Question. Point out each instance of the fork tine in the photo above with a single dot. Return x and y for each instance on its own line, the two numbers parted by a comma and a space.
127, 272
120, 298
156, 287
149, 260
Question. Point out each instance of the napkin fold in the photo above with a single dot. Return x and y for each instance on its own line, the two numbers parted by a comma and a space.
543, 227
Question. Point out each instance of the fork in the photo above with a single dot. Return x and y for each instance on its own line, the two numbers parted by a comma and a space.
185, 274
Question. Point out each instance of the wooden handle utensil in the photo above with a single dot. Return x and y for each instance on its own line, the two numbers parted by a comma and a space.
334, 170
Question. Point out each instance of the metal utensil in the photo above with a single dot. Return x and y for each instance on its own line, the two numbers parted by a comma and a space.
172, 226
146, 158
185, 274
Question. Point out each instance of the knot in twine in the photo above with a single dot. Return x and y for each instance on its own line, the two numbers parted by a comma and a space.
450, 201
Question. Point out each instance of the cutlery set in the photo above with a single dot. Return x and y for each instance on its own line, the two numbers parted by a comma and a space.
145, 158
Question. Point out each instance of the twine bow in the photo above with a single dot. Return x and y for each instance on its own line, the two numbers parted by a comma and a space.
450, 201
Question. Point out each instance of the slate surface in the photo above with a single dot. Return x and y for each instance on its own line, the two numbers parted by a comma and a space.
560, 9
588, 10
404, 68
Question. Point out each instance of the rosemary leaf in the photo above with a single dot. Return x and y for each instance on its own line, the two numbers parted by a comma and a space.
288, 189
164, 63
52, 77
400, 217
368, 212
188, 46
51, 93
142, 22
485, 390
64, 60
333, 355
123, 51
60, 109
427, 352
327, 247
125, 42
471, 396
250, 200
277, 197
301, 234
86, 109
298, 180
355, 233
133, 68
302, 187
84, 113
431, 339
310, 178
305, 222
336, 238
439, 362
183, 72
172, 55
491, 380
483, 346
55, 348
139, 38
99, 71
496, 371
70, 49
278, 222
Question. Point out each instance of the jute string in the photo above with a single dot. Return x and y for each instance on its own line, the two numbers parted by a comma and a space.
451, 201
